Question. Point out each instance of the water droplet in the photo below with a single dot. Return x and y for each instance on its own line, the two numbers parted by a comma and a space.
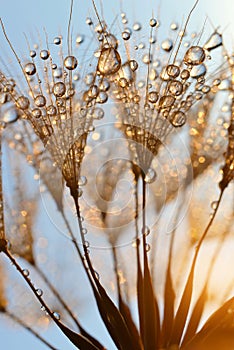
40, 101
109, 61
137, 26
198, 71
36, 113
178, 118
185, 74
145, 231
126, 35
51, 110
22, 102
175, 87
26, 272
195, 55
84, 231
102, 97
79, 39
30, 69
166, 101
153, 22
39, 292
82, 181
153, 96
150, 176
174, 26
214, 205
56, 315
133, 65
59, 89
10, 115
58, 73
32, 53
89, 21
43, 308
167, 45
214, 41
70, 62
57, 40
98, 113
44, 54
173, 71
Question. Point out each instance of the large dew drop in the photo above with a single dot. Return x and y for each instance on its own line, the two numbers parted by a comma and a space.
70, 62
214, 41
198, 71
22, 102
194, 56
109, 61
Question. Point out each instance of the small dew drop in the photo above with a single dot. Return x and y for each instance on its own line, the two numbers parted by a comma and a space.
32, 53
40, 101
26, 272
44, 54
214, 205
56, 315
57, 40
153, 22
126, 35
167, 45
30, 68
178, 118
214, 41
173, 71
175, 87
151, 176
82, 181
70, 62
22, 102
198, 71
59, 89
153, 96
137, 26
36, 113
39, 292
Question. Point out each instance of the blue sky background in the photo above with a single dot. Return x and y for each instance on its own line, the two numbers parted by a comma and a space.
28, 16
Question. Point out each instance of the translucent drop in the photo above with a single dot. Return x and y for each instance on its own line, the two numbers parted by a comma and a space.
175, 87
39, 292
84, 231
174, 26
82, 181
198, 71
150, 176
214, 41
30, 69
146, 58
22, 102
167, 45
44, 54
10, 115
109, 61
102, 97
56, 315
126, 35
173, 71
137, 26
195, 55
98, 113
80, 39
36, 113
26, 272
57, 40
33, 53
51, 110
178, 118
59, 89
89, 21
153, 22
214, 205
145, 230
185, 74
153, 96
58, 73
166, 101
70, 62
40, 101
